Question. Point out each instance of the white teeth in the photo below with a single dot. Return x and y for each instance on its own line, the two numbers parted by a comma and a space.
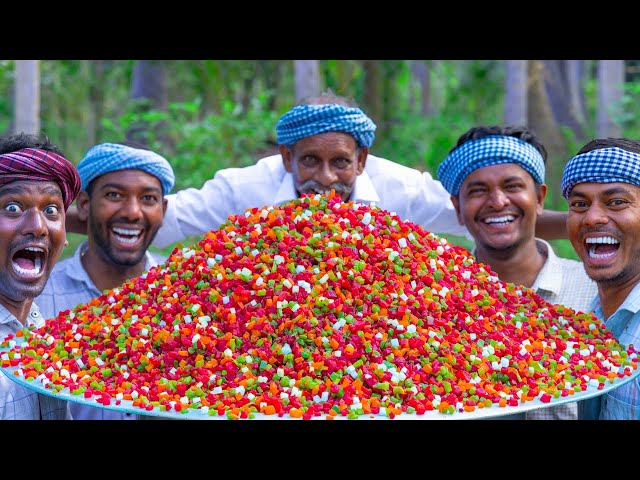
602, 240
29, 272
593, 254
503, 219
131, 240
35, 249
126, 231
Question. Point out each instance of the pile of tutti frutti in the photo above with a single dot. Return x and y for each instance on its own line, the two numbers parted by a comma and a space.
320, 308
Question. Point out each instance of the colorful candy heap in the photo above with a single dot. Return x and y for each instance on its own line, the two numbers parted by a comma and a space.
320, 308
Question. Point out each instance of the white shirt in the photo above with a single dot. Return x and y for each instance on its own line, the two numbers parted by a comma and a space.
413, 195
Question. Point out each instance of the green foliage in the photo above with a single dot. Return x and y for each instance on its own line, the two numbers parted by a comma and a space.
197, 148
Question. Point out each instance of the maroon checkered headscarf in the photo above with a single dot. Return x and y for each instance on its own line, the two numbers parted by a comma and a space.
38, 164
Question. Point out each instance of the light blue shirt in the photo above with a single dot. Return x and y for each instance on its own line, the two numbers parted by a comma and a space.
411, 194
623, 402
18, 402
69, 285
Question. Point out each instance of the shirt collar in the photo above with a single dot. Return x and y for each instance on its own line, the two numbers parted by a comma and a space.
550, 275
363, 191
34, 317
76, 270
630, 304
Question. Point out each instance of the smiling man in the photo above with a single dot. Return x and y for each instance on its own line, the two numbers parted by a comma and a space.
37, 185
122, 201
602, 186
495, 175
324, 143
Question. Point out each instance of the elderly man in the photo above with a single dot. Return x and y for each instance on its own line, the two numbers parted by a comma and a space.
123, 202
602, 186
324, 144
37, 185
495, 175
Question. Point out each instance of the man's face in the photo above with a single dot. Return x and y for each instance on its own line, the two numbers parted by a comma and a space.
499, 205
123, 215
604, 229
32, 236
323, 162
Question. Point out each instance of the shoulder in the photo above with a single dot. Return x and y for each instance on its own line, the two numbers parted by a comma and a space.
267, 169
58, 273
379, 168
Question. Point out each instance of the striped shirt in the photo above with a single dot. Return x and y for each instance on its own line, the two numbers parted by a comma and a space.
69, 285
18, 402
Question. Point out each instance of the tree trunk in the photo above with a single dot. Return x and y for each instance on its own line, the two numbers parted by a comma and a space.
543, 123
576, 70
148, 92
96, 101
610, 91
306, 78
515, 100
420, 73
560, 96
27, 97
372, 103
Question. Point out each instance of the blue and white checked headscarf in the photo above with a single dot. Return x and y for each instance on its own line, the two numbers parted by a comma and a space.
307, 120
486, 151
108, 157
604, 165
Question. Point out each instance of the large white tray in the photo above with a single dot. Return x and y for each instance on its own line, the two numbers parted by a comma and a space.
191, 414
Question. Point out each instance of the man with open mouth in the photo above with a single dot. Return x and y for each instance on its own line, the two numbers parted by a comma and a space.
37, 185
123, 202
495, 175
602, 186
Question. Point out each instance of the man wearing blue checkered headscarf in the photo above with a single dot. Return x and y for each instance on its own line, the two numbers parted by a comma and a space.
324, 144
123, 201
602, 186
495, 175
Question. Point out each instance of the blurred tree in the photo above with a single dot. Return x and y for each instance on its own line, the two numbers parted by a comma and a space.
27, 96
560, 95
542, 121
148, 92
576, 76
306, 78
610, 91
515, 101
96, 100
420, 91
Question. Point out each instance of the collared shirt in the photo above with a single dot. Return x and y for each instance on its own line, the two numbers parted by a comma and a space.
623, 402
16, 401
69, 285
565, 282
413, 195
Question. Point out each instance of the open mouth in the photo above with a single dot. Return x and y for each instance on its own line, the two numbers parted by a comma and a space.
601, 247
128, 236
28, 262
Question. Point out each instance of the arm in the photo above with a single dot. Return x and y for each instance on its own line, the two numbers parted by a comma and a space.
552, 225
72, 223
194, 211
